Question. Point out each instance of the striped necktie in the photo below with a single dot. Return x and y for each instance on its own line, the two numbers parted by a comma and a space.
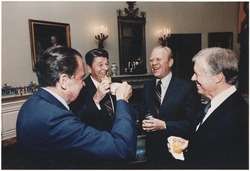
108, 105
157, 99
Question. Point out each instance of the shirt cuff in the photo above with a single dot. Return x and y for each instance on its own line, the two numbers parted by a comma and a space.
98, 106
165, 125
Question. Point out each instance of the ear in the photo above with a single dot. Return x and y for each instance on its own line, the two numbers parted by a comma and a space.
171, 62
63, 80
89, 69
219, 78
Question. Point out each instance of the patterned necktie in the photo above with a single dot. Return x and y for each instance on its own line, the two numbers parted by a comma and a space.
157, 100
107, 104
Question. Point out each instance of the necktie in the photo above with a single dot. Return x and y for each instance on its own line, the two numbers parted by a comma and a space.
107, 104
157, 100
158, 87
206, 108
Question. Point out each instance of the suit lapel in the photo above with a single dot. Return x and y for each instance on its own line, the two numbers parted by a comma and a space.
170, 93
90, 86
148, 99
114, 102
152, 86
220, 110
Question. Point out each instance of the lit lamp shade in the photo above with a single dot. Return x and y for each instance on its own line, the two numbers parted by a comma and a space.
163, 36
101, 34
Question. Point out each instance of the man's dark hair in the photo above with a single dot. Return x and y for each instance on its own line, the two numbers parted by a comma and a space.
90, 55
56, 61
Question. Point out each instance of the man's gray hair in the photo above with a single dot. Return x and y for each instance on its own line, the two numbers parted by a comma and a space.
166, 49
220, 60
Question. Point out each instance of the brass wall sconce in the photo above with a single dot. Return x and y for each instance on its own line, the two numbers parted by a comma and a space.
101, 34
163, 36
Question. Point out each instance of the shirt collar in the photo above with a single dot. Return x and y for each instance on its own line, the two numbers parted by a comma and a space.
165, 80
218, 99
59, 98
96, 83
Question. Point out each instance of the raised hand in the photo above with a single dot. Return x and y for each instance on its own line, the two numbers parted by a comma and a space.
124, 91
102, 89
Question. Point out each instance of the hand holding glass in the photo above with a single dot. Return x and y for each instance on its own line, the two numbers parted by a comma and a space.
177, 144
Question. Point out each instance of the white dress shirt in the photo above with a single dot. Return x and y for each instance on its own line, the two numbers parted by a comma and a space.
164, 84
96, 83
59, 98
216, 102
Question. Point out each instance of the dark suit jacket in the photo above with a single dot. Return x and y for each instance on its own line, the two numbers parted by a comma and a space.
46, 128
222, 140
86, 109
178, 109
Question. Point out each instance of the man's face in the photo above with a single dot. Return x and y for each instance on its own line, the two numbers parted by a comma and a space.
160, 63
205, 82
76, 81
99, 68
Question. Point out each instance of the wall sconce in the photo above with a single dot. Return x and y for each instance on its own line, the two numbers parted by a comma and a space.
101, 34
163, 36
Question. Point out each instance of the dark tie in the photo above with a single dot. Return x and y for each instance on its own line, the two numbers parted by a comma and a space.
205, 110
157, 99
107, 104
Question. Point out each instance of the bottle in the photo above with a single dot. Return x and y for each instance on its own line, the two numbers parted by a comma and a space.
114, 69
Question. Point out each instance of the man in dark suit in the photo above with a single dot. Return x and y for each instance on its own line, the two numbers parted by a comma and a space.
92, 103
172, 107
220, 138
46, 128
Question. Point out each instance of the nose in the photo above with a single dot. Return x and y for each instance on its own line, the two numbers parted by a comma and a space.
154, 63
193, 78
105, 67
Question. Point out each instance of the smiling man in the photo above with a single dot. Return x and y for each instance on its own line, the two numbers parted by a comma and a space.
220, 140
95, 105
221, 137
171, 102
